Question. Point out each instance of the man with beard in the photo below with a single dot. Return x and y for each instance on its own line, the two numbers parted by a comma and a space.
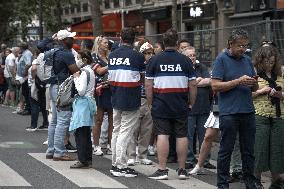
64, 64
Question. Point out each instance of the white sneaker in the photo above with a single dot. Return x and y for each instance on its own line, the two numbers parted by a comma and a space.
98, 151
108, 152
151, 150
17, 110
30, 129
145, 161
45, 142
131, 162
196, 170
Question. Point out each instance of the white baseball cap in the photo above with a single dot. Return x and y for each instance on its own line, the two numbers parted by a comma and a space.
145, 47
62, 34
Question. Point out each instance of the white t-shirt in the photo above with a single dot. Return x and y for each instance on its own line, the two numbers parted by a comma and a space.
84, 88
19, 78
9, 62
30, 78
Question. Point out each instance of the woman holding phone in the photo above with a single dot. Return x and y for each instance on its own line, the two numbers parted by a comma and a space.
269, 107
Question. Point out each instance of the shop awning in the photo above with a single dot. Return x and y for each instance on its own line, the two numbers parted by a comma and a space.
111, 24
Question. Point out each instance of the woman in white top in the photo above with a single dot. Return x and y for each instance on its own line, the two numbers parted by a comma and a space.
84, 108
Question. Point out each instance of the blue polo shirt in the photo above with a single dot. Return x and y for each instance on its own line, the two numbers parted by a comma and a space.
171, 73
62, 59
226, 68
125, 66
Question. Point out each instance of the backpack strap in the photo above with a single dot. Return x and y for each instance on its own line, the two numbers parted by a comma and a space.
88, 75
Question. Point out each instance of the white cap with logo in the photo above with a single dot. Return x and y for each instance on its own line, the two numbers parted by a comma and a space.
145, 47
62, 34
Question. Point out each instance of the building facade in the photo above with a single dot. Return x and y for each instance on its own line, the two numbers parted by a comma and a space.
206, 23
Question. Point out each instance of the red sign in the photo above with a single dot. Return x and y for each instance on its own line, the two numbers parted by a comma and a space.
111, 24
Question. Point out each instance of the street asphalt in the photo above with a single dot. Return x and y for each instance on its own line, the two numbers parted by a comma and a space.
23, 165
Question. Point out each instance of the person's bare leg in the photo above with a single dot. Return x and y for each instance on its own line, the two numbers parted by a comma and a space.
181, 148
162, 150
13, 98
7, 97
210, 135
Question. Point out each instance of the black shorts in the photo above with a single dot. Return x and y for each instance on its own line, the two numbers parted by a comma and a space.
168, 126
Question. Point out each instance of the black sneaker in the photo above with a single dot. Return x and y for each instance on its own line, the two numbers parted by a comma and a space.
43, 127
160, 175
256, 184
116, 172
24, 112
128, 172
124, 172
113, 168
236, 177
70, 148
209, 166
182, 174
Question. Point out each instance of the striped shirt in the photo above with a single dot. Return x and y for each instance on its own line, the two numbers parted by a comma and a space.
125, 66
171, 73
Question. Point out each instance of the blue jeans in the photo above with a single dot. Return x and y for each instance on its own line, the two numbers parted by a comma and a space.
58, 126
196, 123
229, 126
236, 161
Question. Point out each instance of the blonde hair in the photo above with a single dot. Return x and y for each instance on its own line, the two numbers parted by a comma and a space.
97, 43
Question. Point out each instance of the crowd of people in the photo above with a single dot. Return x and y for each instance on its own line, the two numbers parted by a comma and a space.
134, 99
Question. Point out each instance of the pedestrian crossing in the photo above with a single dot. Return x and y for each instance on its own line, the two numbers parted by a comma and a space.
9, 177
80, 177
173, 181
96, 178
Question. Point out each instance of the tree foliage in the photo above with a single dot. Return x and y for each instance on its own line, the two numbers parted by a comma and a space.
12, 11
96, 17
22, 11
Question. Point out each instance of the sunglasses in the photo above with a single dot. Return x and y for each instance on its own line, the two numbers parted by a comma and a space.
148, 53
192, 55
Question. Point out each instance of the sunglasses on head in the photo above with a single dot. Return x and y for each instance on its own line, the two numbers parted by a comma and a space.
100, 37
267, 43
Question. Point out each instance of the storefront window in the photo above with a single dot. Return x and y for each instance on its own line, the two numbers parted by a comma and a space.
66, 10
107, 4
78, 7
72, 9
85, 7
128, 2
116, 3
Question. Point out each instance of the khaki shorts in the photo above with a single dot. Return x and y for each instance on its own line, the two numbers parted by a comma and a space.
11, 85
